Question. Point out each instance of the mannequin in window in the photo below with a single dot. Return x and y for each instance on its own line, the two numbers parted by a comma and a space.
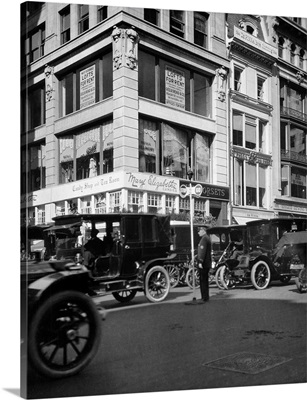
92, 167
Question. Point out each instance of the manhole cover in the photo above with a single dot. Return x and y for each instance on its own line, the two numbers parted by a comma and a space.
247, 363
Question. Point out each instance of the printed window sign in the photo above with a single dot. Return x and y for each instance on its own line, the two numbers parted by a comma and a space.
87, 87
174, 87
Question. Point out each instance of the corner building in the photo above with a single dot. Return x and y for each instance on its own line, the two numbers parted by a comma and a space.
117, 105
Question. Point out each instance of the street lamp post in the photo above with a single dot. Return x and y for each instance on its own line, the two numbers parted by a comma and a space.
190, 176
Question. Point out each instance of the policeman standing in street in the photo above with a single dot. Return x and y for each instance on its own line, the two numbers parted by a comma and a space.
204, 262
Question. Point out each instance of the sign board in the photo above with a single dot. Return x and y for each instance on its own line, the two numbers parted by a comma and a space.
174, 87
198, 189
183, 191
87, 87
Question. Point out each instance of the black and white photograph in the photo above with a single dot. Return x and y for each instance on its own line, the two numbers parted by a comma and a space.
162, 176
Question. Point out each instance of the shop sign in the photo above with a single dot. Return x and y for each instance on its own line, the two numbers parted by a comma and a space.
255, 42
157, 183
174, 87
183, 191
291, 208
210, 191
252, 157
87, 87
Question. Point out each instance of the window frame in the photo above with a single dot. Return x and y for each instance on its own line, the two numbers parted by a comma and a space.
176, 25
65, 13
152, 15
83, 18
197, 32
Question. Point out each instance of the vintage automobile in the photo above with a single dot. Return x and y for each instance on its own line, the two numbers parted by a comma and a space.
256, 265
64, 325
223, 239
179, 267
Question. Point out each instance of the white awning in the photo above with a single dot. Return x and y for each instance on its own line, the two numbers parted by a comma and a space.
243, 220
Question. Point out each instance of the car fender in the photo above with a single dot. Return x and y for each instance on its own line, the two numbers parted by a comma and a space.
264, 258
46, 286
146, 265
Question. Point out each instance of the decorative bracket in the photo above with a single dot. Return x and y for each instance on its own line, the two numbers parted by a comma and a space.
221, 74
48, 82
125, 43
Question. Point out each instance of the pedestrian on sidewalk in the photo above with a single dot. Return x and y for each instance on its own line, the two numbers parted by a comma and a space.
204, 262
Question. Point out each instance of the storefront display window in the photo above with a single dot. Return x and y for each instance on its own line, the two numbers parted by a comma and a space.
202, 157
82, 153
169, 204
298, 182
154, 202
148, 139
100, 203
175, 151
135, 201
115, 201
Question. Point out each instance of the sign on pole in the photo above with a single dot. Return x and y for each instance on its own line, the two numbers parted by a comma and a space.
183, 191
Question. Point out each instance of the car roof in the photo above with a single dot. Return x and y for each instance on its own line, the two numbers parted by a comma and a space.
276, 219
293, 238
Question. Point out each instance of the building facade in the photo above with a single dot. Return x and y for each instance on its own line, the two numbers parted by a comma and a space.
119, 104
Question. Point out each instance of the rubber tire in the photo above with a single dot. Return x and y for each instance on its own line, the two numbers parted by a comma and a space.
224, 278
173, 273
218, 279
43, 315
189, 278
157, 284
255, 274
128, 295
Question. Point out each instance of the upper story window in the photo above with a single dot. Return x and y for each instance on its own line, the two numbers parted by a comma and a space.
292, 53
261, 88
102, 13
34, 44
249, 132
86, 85
281, 44
237, 84
301, 58
180, 87
177, 25
33, 108
152, 15
33, 168
200, 28
249, 25
83, 18
65, 25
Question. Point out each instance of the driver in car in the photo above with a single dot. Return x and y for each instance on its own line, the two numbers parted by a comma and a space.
93, 249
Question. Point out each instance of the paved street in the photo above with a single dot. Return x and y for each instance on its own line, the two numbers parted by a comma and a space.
242, 337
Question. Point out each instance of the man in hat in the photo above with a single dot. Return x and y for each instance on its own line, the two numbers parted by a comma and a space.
93, 248
204, 262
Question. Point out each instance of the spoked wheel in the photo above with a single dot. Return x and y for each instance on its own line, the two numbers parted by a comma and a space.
173, 273
124, 296
189, 278
211, 276
218, 278
260, 275
225, 278
64, 334
157, 284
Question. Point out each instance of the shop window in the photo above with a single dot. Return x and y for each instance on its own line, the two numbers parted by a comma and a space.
60, 208
169, 204
151, 15
80, 154
180, 87
41, 218
86, 205
175, 151
202, 158
65, 25
177, 25
148, 145
200, 28
34, 44
154, 203
115, 201
102, 13
184, 205
135, 201
83, 23
100, 203
87, 85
